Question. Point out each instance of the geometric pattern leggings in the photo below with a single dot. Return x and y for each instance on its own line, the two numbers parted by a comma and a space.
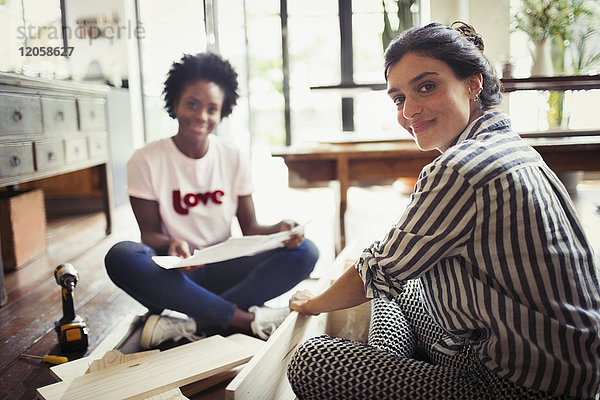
397, 362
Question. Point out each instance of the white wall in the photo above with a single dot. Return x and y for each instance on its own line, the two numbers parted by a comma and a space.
104, 57
490, 18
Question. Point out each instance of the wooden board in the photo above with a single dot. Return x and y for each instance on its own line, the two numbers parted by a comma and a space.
23, 227
249, 342
78, 367
155, 374
264, 377
115, 357
173, 394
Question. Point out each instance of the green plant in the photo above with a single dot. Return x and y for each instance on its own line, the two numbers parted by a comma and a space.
542, 19
405, 21
582, 45
572, 27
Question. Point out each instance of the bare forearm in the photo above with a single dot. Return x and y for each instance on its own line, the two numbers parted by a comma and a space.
257, 229
156, 240
348, 291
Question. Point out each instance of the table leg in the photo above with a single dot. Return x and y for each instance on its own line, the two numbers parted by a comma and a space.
343, 178
107, 201
3, 298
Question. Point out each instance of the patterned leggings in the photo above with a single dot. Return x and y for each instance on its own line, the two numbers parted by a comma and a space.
398, 362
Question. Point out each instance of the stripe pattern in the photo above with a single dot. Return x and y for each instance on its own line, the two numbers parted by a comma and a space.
504, 263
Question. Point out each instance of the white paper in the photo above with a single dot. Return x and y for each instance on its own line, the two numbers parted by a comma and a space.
229, 249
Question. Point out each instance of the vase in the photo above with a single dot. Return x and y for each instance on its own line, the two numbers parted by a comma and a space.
542, 59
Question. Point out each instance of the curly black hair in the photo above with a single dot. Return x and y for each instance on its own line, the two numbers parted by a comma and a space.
205, 66
459, 46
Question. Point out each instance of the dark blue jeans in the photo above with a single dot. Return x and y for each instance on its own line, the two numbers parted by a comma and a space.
213, 292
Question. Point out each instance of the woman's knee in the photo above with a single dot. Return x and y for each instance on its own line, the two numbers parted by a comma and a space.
326, 367
308, 254
389, 330
305, 362
121, 254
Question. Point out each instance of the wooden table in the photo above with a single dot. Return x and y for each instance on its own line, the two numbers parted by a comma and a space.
354, 162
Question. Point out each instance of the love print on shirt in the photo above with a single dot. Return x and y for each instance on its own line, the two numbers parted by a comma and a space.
182, 205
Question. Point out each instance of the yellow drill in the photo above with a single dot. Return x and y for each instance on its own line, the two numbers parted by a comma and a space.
71, 329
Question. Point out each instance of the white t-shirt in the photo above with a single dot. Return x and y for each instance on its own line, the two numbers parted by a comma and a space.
197, 198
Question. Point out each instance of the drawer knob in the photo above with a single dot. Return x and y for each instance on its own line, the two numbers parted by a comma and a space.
15, 161
60, 116
51, 156
17, 116
93, 114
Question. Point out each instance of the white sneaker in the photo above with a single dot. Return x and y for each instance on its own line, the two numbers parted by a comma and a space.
160, 328
266, 320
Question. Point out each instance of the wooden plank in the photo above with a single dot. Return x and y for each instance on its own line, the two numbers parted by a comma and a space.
154, 374
73, 369
173, 394
264, 377
112, 357
246, 341
76, 368
115, 357
3, 298
23, 226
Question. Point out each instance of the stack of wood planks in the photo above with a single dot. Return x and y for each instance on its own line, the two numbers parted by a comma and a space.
153, 374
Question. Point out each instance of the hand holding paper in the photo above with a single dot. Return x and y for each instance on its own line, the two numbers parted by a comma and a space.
231, 248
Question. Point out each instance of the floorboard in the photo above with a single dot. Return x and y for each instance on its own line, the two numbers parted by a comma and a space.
34, 299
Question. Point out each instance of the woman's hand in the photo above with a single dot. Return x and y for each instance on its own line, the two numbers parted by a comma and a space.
179, 248
299, 302
348, 291
295, 239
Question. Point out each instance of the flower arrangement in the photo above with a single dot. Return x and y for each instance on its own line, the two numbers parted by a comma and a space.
571, 28
542, 19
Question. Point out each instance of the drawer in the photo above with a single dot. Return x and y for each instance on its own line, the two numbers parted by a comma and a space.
49, 154
20, 114
92, 114
16, 158
98, 145
60, 115
75, 150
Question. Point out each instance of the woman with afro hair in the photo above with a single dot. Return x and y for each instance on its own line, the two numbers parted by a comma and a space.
185, 191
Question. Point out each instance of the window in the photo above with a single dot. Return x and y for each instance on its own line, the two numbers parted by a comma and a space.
314, 60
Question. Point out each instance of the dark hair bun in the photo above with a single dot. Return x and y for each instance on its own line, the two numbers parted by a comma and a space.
469, 33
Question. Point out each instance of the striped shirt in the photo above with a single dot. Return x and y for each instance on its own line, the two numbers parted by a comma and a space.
504, 263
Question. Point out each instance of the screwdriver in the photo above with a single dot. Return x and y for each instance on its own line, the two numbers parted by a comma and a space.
49, 358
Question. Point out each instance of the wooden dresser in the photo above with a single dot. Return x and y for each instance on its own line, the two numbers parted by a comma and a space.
49, 128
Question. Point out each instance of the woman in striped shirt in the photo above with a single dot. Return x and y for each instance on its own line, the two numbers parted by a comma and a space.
487, 286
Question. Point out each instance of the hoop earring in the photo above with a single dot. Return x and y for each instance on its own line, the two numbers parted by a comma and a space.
476, 98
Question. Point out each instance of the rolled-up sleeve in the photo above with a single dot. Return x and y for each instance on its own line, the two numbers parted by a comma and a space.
436, 224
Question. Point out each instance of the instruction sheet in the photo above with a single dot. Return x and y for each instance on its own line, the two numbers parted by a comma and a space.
233, 247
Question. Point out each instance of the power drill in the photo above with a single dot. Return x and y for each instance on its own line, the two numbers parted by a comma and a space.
71, 329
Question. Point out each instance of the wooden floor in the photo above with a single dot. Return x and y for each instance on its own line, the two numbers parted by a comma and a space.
34, 299
27, 321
